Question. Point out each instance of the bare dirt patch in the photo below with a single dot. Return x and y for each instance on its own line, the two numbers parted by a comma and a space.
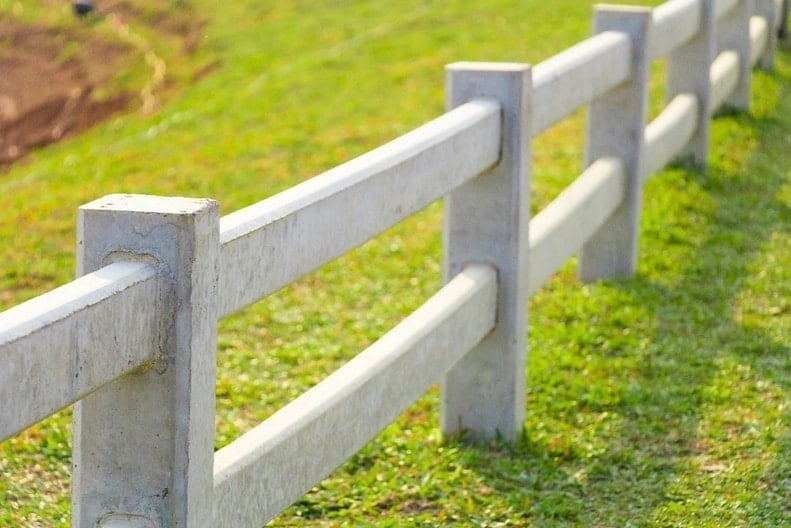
52, 80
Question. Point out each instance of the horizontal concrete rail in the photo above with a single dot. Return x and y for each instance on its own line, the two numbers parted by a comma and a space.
674, 23
348, 205
724, 78
63, 345
577, 76
723, 7
563, 226
759, 36
669, 132
265, 470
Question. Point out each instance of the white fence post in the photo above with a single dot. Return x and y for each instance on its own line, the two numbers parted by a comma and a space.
733, 33
616, 127
143, 445
688, 72
486, 220
767, 9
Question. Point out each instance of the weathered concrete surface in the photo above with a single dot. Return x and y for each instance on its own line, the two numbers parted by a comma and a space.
65, 344
143, 445
576, 76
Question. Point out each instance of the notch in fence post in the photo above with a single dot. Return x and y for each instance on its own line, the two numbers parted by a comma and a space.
144, 444
616, 127
688, 72
733, 33
486, 220
768, 10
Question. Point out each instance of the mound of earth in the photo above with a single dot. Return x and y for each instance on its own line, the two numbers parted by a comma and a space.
53, 81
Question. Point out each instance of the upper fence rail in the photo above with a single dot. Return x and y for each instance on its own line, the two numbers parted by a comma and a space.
577, 76
674, 24
346, 206
61, 346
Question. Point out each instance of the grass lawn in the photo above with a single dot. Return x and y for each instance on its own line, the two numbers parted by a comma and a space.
658, 400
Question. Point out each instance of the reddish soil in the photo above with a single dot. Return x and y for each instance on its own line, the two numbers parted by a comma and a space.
51, 77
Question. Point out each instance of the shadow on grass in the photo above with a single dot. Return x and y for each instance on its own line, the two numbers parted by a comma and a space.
688, 423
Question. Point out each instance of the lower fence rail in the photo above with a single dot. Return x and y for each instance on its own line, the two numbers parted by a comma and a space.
271, 466
670, 132
561, 228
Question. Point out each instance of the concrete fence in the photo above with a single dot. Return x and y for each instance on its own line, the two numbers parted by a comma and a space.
132, 341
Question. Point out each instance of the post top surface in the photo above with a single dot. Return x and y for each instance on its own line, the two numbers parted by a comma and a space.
489, 66
143, 203
618, 8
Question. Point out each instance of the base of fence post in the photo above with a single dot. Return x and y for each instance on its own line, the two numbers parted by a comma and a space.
616, 127
143, 444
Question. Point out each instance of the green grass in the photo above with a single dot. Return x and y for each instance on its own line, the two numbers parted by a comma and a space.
659, 400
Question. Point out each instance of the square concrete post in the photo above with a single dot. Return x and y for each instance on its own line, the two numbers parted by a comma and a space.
616, 127
767, 9
688, 72
486, 220
144, 444
733, 33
